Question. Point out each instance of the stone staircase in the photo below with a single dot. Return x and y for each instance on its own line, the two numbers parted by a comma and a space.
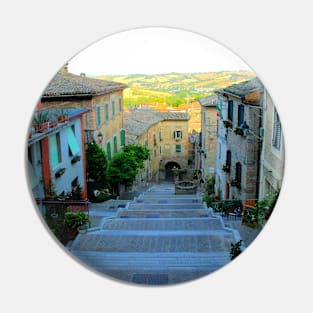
158, 238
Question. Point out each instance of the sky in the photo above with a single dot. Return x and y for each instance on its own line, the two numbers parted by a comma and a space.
154, 51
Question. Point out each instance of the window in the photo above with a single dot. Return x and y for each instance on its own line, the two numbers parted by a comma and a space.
146, 144
120, 108
228, 159
122, 137
55, 150
109, 150
241, 111
72, 141
113, 106
154, 153
230, 110
160, 135
178, 148
238, 172
154, 139
106, 110
114, 144
178, 135
276, 141
160, 149
98, 115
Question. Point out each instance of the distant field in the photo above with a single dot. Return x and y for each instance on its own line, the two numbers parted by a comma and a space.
174, 89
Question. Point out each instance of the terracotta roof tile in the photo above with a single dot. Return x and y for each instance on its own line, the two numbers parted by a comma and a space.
66, 84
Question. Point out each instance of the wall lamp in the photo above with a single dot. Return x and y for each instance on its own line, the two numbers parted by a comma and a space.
100, 137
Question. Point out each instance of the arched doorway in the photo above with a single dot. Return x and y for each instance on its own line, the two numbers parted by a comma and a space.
169, 174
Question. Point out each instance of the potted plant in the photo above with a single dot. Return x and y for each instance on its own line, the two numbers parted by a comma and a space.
228, 124
59, 172
41, 122
235, 249
235, 183
238, 131
75, 220
62, 115
53, 122
75, 159
226, 168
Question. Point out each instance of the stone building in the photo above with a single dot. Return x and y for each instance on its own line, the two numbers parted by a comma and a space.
175, 143
165, 134
273, 149
104, 122
239, 140
207, 144
142, 128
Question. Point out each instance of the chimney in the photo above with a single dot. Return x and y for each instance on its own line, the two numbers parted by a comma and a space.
64, 69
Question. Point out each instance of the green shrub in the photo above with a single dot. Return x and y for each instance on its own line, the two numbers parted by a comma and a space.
75, 219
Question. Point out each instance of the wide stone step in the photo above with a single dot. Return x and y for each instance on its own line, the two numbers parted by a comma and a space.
153, 269
131, 260
155, 241
167, 200
164, 213
164, 224
169, 206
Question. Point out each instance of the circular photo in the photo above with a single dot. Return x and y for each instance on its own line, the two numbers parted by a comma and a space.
155, 156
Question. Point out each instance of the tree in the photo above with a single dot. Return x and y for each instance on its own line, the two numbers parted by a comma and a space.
124, 166
97, 163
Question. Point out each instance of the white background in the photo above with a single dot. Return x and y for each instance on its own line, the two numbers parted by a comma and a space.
274, 38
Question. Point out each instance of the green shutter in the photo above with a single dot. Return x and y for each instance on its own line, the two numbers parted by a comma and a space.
53, 151
98, 116
106, 111
113, 108
115, 144
120, 104
122, 137
72, 142
178, 148
109, 150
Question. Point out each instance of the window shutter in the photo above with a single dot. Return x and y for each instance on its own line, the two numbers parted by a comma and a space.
122, 137
109, 150
115, 144
72, 141
230, 109
54, 152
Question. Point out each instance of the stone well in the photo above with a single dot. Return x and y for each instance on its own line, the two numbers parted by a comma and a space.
185, 187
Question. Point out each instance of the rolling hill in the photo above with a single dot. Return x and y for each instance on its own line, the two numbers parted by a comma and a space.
174, 89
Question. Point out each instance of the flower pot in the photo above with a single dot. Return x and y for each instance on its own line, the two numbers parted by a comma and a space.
53, 124
40, 128
61, 119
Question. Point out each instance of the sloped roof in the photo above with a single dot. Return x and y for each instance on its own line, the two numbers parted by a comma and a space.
67, 84
242, 89
137, 121
175, 116
208, 101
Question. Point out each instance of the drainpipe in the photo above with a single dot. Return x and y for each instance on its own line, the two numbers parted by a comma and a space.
260, 149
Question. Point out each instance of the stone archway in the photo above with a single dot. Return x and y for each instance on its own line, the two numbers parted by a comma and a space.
169, 175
